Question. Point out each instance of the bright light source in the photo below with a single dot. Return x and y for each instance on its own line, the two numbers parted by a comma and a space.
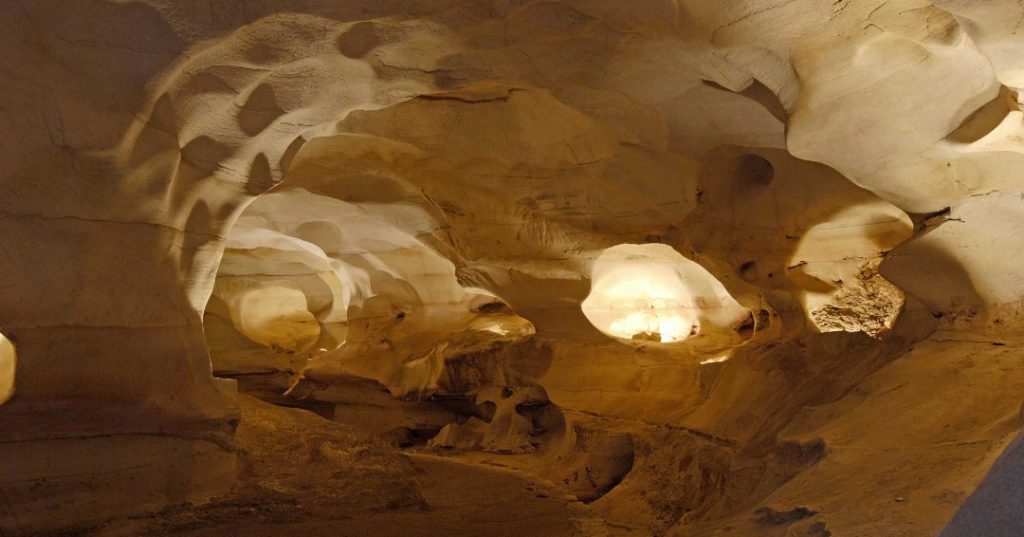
663, 326
716, 359
640, 297
651, 292
647, 307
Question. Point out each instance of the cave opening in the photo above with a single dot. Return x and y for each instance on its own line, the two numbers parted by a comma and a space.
651, 293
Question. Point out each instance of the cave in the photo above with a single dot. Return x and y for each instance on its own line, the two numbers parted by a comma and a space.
499, 268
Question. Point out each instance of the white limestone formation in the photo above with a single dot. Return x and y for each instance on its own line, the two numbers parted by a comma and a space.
651, 292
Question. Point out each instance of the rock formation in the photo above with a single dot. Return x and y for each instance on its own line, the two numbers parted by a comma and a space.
663, 267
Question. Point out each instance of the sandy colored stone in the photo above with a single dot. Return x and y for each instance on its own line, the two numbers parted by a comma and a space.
681, 266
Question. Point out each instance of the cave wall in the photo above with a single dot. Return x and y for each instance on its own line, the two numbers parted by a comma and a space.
845, 171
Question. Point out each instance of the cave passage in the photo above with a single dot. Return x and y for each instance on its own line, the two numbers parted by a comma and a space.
547, 267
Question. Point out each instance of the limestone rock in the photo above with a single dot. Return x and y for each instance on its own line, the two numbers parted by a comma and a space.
711, 267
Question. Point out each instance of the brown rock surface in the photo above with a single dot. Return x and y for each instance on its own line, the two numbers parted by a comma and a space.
569, 267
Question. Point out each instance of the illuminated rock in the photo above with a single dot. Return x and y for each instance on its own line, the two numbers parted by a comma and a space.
650, 292
718, 237
836, 263
8, 361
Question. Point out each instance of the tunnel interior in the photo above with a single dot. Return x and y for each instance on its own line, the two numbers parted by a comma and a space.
544, 267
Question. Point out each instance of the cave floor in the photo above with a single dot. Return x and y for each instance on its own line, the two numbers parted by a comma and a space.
465, 499
300, 474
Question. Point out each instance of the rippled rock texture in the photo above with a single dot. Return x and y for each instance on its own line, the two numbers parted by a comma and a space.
700, 267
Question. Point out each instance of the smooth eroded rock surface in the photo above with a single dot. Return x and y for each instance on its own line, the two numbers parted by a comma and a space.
661, 267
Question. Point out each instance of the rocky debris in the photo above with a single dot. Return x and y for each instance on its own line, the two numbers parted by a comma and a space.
521, 419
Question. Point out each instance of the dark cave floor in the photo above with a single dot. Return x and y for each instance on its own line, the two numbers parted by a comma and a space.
303, 475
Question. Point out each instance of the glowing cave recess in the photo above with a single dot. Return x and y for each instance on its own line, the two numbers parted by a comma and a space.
647, 305
650, 292
639, 294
